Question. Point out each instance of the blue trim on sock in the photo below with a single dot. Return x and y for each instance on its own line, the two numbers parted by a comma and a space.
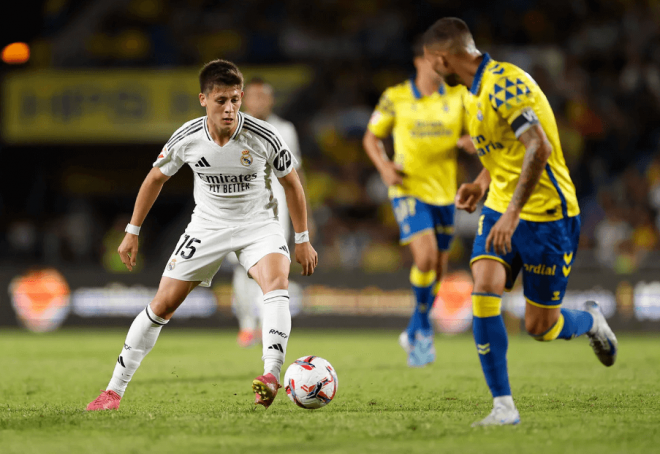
487, 294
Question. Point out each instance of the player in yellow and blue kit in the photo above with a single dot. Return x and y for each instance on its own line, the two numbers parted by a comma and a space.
425, 118
530, 221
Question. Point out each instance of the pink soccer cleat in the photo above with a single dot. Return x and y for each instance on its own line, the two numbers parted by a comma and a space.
265, 389
107, 400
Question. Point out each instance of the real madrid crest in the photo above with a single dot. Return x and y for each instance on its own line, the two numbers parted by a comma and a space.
171, 265
246, 158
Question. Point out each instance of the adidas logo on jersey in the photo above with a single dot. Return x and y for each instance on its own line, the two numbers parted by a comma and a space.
277, 347
203, 163
284, 248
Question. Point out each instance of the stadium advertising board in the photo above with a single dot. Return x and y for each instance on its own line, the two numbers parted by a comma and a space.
116, 106
42, 300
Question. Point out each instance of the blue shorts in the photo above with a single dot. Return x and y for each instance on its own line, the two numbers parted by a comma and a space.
416, 217
544, 251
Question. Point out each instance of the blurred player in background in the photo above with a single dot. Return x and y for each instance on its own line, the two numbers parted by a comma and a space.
232, 156
425, 118
248, 298
530, 221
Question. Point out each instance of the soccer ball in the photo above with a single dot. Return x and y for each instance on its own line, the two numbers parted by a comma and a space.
311, 382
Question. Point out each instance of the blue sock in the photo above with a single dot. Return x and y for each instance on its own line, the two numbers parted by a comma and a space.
423, 284
576, 323
492, 342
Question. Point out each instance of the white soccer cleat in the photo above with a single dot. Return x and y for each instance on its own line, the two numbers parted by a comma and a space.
601, 336
404, 342
504, 413
422, 352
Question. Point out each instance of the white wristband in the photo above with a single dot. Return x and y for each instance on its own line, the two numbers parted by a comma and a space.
302, 237
133, 229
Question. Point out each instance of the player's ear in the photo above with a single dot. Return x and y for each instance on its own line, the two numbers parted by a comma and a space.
202, 99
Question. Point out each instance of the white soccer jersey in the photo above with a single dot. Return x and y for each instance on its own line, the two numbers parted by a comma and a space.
288, 133
232, 183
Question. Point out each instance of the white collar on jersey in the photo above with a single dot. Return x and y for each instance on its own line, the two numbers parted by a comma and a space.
239, 119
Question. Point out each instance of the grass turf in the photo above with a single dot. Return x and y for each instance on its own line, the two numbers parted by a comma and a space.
192, 394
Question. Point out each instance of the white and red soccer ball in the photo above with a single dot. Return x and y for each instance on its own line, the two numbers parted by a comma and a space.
310, 382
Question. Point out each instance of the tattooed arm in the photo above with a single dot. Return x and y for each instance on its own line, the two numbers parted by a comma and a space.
537, 154
538, 150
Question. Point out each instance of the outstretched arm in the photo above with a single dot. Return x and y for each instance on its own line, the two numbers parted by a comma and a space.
146, 197
538, 150
295, 200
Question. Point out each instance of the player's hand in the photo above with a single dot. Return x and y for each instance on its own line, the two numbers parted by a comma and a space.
128, 250
392, 174
467, 197
307, 257
465, 143
501, 233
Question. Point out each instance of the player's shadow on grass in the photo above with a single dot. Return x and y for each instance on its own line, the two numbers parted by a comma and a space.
173, 378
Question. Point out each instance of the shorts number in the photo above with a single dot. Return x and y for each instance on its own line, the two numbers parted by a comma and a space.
480, 229
406, 208
188, 244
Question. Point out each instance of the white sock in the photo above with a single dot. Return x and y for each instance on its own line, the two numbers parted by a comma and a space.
248, 299
505, 401
140, 339
276, 328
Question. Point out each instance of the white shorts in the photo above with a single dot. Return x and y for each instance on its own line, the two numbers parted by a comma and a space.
200, 251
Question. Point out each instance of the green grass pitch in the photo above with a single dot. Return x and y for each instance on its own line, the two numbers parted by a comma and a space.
192, 394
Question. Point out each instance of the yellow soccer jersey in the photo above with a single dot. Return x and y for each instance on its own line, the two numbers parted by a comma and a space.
503, 102
425, 131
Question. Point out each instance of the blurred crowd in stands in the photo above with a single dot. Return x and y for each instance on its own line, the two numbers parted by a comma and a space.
598, 61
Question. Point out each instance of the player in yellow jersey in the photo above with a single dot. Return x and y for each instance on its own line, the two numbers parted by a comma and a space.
530, 220
426, 119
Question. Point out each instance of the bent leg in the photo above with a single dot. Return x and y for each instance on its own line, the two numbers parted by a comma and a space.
488, 326
547, 324
144, 330
272, 275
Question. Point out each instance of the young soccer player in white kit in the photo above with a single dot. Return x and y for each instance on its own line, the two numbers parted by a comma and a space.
232, 156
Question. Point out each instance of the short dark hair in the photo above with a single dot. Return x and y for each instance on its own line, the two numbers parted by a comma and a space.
418, 46
451, 31
219, 72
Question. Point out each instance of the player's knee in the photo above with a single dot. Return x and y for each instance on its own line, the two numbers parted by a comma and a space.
164, 307
427, 262
276, 283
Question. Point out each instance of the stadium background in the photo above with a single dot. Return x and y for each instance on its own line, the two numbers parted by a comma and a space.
108, 82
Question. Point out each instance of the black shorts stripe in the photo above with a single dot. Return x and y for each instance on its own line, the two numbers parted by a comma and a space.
199, 128
264, 130
146, 310
262, 135
185, 130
